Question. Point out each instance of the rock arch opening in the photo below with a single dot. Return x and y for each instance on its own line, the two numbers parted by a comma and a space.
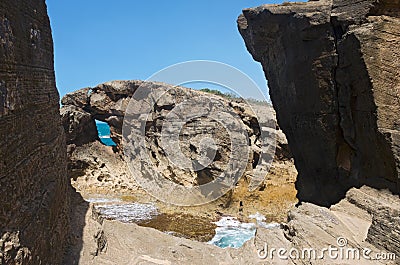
104, 133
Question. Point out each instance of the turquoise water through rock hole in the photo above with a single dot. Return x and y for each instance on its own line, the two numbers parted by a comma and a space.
232, 233
103, 130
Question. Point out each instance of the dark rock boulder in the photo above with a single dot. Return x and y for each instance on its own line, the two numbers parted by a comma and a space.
79, 126
34, 206
334, 79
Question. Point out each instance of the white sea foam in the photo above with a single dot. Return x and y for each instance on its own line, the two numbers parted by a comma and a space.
259, 217
228, 221
261, 221
269, 225
232, 233
129, 212
103, 200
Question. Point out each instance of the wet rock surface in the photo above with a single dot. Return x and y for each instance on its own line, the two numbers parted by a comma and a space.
183, 225
179, 224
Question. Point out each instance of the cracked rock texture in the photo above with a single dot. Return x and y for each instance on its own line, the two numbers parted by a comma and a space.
79, 126
333, 70
108, 102
99, 169
33, 165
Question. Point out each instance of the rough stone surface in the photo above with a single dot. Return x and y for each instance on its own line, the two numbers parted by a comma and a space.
33, 170
108, 102
97, 169
334, 78
79, 126
352, 219
308, 227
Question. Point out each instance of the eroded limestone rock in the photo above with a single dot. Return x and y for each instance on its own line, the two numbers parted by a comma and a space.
108, 102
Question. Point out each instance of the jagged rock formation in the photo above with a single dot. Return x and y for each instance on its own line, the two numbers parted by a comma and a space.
108, 102
34, 206
334, 79
79, 126
98, 169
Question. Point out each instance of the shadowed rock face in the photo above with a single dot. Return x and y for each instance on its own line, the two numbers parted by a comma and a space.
79, 126
33, 180
334, 79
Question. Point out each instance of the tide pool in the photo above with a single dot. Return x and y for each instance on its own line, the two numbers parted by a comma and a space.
232, 233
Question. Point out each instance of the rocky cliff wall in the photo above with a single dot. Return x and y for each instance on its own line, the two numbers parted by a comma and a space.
334, 79
33, 180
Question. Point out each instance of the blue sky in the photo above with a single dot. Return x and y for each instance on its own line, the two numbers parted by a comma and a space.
101, 40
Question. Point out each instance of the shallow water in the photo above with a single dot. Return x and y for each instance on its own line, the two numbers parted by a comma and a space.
147, 215
183, 225
232, 233
128, 212
227, 232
